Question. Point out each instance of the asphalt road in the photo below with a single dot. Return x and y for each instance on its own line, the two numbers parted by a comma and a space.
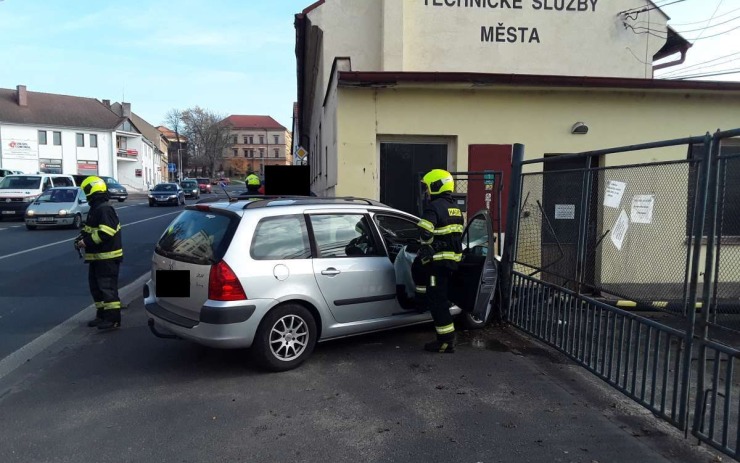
42, 280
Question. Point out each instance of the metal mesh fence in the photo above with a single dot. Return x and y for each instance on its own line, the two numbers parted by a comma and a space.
622, 231
725, 309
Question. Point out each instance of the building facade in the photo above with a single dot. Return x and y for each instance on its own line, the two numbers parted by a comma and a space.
139, 158
257, 141
390, 88
43, 132
176, 151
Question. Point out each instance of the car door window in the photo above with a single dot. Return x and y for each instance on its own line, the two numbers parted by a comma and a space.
475, 239
397, 232
278, 238
47, 184
343, 235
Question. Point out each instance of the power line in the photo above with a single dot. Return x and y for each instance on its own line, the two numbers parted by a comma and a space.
705, 20
715, 35
719, 4
703, 63
713, 74
709, 27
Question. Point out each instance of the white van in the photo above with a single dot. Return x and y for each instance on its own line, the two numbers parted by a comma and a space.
17, 192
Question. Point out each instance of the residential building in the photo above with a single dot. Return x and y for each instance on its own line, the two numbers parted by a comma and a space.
160, 146
139, 158
45, 132
177, 151
257, 141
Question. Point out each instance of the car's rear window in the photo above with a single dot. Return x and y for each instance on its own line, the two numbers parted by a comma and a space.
199, 237
21, 183
203, 180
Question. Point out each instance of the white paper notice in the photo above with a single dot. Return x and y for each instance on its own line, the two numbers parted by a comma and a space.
614, 192
565, 211
619, 230
642, 208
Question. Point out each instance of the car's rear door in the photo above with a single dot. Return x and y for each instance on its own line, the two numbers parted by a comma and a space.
479, 263
352, 270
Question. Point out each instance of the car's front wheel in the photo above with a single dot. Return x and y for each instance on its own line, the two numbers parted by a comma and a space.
31, 227
77, 222
120, 200
285, 339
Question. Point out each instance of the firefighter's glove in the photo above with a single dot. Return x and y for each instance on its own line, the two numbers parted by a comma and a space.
425, 254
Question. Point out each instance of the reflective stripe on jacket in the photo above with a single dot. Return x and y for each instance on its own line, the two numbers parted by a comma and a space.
442, 227
102, 233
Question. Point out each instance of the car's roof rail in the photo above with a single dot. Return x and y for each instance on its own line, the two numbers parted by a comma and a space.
264, 201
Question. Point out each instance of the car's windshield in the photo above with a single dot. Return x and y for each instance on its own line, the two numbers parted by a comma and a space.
203, 180
189, 184
110, 180
24, 182
165, 187
64, 195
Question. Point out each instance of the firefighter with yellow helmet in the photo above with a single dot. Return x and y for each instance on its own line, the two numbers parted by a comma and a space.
101, 240
253, 183
441, 228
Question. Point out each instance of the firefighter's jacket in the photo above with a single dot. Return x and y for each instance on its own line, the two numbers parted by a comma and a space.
102, 233
442, 227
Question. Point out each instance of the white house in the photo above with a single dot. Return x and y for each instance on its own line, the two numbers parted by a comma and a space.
44, 132
139, 159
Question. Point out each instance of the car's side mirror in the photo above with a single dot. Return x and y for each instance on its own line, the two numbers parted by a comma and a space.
82, 201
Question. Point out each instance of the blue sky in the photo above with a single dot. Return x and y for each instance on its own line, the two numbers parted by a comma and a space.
231, 56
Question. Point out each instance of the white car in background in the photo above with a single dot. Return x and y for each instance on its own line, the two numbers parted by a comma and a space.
58, 207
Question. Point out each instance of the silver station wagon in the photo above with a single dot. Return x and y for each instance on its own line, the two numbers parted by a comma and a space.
278, 275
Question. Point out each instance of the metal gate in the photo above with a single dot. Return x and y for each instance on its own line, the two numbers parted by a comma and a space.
602, 235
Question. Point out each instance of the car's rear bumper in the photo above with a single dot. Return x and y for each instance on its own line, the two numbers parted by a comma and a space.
230, 327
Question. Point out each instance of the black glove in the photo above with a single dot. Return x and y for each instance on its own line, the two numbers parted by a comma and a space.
425, 254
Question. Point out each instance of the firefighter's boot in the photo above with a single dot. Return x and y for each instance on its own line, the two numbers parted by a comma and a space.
445, 344
111, 321
97, 320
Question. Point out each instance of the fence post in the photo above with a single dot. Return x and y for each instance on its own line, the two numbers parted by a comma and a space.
700, 206
712, 159
512, 228
582, 250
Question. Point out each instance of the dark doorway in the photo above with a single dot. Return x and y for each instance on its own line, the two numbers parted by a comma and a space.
400, 165
563, 209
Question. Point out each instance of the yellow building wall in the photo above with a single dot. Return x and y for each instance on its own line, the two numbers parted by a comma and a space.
542, 121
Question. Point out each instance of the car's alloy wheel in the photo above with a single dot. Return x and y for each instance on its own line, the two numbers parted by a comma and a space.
285, 339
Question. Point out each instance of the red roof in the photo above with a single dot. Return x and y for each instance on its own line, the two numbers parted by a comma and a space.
253, 122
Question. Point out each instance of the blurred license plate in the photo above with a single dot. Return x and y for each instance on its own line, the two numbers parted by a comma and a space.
162, 199
45, 219
8, 212
172, 283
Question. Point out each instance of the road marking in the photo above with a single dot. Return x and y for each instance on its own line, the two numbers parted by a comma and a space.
38, 345
72, 239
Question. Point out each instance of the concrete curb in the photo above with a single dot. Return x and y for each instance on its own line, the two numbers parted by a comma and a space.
10, 363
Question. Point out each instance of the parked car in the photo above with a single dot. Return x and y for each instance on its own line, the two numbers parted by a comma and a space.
58, 207
278, 275
191, 189
166, 193
204, 184
17, 192
115, 189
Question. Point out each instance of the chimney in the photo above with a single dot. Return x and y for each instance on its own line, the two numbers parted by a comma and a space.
106, 103
126, 109
22, 96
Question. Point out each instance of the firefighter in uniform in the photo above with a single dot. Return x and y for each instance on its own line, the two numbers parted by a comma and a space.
101, 240
440, 252
253, 183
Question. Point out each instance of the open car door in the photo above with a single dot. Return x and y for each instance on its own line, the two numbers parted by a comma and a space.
474, 285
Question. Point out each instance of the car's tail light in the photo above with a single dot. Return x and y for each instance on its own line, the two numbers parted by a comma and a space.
223, 285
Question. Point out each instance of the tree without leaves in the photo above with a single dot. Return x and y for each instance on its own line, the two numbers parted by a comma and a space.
208, 135
173, 120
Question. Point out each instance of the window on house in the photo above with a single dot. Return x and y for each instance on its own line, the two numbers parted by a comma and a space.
93, 141
277, 153
42, 137
234, 140
246, 140
236, 152
262, 152
262, 139
57, 138
80, 139
277, 139
251, 140
127, 127
246, 153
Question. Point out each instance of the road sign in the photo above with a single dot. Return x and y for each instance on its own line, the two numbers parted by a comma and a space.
489, 178
301, 152
172, 167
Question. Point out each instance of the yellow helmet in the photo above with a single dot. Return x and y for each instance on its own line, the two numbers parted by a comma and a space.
92, 185
253, 180
439, 181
